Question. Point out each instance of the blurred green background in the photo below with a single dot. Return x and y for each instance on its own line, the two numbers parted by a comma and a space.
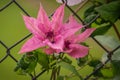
12, 29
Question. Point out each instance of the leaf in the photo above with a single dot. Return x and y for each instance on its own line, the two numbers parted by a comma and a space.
67, 60
100, 1
26, 64
116, 69
89, 11
102, 29
69, 67
115, 61
94, 63
108, 41
107, 72
100, 21
89, 18
116, 55
82, 61
43, 60
71, 2
110, 12
112, 43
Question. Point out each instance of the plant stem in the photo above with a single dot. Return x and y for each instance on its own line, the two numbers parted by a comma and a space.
53, 74
116, 30
58, 71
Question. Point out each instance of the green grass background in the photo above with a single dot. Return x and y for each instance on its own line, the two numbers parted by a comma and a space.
12, 29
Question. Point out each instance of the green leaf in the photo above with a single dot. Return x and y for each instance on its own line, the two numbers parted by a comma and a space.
107, 72
115, 61
110, 11
94, 63
69, 67
89, 11
100, 21
43, 60
26, 64
82, 61
116, 67
100, 1
67, 60
89, 18
102, 29
116, 55
108, 41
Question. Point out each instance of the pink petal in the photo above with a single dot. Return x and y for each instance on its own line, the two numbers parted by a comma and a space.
58, 43
57, 17
78, 51
83, 36
71, 2
31, 44
32, 26
70, 28
42, 17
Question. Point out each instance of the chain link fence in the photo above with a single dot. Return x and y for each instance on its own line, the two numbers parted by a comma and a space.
8, 49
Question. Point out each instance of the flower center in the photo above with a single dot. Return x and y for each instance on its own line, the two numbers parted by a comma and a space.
50, 36
67, 43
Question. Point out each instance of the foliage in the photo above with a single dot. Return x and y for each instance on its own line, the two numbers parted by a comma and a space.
111, 42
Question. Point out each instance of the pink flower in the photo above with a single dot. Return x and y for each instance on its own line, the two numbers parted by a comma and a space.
72, 45
48, 32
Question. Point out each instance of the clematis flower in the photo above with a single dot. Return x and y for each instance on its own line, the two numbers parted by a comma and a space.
72, 45
46, 32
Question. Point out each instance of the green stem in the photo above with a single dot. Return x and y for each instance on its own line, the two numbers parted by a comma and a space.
58, 71
54, 74
34, 73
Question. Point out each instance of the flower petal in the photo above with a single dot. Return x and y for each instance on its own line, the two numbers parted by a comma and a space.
42, 17
78, 51
70, 28
30, 24
58, 43
57, 17
31, 44
59, 14
83, 36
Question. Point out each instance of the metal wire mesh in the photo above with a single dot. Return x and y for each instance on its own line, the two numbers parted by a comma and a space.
8, 49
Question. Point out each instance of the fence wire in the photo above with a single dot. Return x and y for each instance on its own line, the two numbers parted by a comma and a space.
8, 49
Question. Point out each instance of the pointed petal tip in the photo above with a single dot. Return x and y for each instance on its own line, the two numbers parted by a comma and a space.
21, 52
25, 18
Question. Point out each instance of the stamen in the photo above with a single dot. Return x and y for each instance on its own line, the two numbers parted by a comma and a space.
50, 34
67, 43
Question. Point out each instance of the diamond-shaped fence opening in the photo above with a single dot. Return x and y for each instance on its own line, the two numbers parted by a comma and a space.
3, 55
8, 50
